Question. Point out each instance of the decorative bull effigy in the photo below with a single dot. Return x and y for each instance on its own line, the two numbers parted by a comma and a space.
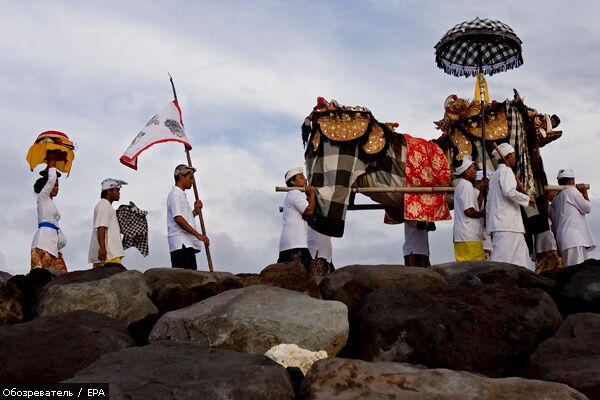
347, 146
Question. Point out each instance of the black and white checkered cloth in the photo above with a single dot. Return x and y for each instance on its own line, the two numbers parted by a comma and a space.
490, 44
134, 227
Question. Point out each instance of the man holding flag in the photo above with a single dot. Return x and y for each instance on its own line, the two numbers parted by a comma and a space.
184, 239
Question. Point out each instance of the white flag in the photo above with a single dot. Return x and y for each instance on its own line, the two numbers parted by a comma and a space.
166, 126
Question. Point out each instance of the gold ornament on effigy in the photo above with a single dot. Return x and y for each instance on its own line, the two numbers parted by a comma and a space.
344, 127
496, 125
376, 140
316, 141
460, 141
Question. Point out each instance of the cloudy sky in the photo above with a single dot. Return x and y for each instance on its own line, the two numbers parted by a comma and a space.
247, 73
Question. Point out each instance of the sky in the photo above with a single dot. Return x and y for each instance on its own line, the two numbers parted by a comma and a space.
247, 73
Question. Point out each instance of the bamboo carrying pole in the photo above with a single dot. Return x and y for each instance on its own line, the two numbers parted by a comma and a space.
428, 189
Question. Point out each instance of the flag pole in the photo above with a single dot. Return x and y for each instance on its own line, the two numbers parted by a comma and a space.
195, 187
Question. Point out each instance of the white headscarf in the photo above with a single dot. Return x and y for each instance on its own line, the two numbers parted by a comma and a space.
505, 149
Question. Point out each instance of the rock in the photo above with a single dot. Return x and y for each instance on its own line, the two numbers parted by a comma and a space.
577, 288
140, 330
51, 349
11, 304
290, 355
249, 279
175, 288
88, 275
124, 295
292, 276
169, 370
572, 356
4, 276
341, 379
31, 285
254, 319
487, 329
352, 283
459, 274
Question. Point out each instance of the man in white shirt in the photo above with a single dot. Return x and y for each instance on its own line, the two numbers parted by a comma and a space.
467, 230
293, 243
184, 239
573, 233
105, 243
503, 218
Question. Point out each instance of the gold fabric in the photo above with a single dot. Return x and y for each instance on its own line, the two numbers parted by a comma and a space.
344, 127
376, 140
316, 140
42, 259
469, 251
496, 124
116, 260
460, 141
37, 155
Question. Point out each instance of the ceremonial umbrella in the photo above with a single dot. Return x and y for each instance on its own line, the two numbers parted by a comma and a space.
476, 48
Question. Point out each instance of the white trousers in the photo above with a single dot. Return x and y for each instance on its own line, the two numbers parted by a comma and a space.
510, 247
317, 242
574, 255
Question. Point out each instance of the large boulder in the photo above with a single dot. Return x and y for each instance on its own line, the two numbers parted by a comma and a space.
292, 276
11, 304
124, 295
175, 288
572, 356
487, 329
577, 287
30, 286
342, 379
254, 319
169, 370
4, 276
51, 349
352, 283
471, 273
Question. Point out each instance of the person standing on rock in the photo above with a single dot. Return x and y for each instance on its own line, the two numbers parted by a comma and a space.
468, 225
416, 243
573, 233
184, 240
503, 218
297, 206
105, 244
48, 240
486, 239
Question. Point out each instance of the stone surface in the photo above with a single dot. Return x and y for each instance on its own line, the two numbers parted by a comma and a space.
352, 283
577, 287
572, 356
175, 288
254, 319
123, 295
292, 276
342, 379
290, 355
169, 370
88, 275
4, 276
471, 273
51, 349
11, 304
487, 329
31, 285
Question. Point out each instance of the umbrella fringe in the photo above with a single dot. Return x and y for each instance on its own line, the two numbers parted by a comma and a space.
466, 71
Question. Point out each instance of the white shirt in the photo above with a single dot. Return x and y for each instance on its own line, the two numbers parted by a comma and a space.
416, 241
568, 219
105, 215
47, 238
294, 230
503, 212
466, 229
178, 205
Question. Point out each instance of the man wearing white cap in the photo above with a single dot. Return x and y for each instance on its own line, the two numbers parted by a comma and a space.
503, 218
477, 187
105, 243
293, 243
467, 230
184, 240
573, 233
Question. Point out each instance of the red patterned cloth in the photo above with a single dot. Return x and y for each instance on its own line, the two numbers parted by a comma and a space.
426, 165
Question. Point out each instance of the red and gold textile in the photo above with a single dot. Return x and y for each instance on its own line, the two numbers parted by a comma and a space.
42, 259
426, 165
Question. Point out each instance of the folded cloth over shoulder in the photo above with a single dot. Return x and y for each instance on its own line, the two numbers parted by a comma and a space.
134, 227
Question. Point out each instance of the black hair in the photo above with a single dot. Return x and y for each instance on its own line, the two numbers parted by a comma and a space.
564, 181
39, 184
104, 194
289, 182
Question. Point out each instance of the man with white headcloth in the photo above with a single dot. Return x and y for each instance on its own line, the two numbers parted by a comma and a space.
573, 233
297, 206
467, 229
503, 219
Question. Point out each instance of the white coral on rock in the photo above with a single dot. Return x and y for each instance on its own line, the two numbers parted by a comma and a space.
291, 355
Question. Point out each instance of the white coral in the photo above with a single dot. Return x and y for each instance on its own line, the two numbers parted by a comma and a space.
290, 355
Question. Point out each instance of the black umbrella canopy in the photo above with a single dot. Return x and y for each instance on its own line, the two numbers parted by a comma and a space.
481, 45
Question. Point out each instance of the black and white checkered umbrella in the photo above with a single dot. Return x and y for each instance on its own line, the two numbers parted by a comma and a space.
481, 45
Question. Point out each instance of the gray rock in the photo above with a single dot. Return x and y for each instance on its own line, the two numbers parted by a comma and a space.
577, 287
352, 283
4, 276
292, 276
254, 319
572, 356
169, 370
124, 295
11, 304
51, 349
342, 379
